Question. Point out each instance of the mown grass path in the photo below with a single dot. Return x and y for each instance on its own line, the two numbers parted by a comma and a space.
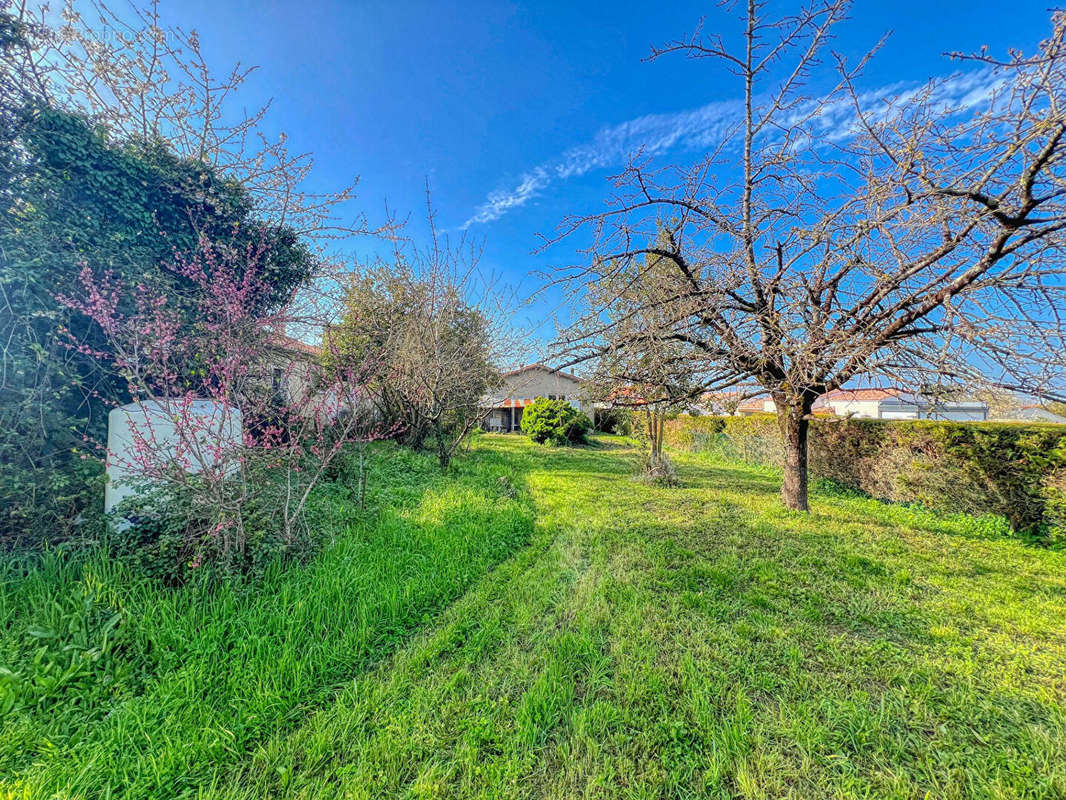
701, 642
644, 642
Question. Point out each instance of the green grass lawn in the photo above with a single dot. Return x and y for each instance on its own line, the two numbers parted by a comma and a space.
585, 636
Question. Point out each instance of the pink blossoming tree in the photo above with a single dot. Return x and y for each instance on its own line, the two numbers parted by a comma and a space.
213, 341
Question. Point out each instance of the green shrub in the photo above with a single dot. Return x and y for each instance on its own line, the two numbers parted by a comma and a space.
614, 420
72, 654
1010, 469
171, 533
554, 422
1053, 492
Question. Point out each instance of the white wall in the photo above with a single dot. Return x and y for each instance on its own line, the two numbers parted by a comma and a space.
169, 426
542, 383
768, 407
863, 409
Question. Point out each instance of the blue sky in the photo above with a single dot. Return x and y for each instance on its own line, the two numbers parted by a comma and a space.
517, 112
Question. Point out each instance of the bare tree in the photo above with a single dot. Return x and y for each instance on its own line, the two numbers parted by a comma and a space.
923, 245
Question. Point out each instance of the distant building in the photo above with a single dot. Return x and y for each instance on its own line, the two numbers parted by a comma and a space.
1032, 413
520, 387
894, 403
755, 405
886, 403
721, 404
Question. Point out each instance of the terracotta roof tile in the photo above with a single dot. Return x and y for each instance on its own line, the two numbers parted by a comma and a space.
862, 394
289, 343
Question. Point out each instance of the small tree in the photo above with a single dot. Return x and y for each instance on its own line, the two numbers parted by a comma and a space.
642, 366
832, 239
440, 336
289, 438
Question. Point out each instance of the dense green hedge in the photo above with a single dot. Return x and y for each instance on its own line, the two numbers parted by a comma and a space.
1017, 470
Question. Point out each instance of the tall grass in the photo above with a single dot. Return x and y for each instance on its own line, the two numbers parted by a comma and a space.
112, 684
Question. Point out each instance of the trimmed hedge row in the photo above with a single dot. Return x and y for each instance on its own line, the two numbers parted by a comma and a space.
1017, 470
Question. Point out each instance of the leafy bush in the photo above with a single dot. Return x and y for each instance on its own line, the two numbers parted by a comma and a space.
614, 420
170, 539
70, 654
554, 422
75, 197
1014, 470
1054, 494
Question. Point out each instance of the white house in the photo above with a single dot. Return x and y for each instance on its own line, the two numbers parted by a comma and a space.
888, 403
894, 403
755, 405
520, 387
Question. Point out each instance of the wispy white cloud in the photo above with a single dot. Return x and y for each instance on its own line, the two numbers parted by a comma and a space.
708, 126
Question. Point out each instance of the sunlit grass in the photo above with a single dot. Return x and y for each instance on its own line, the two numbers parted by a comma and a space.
633, 641
200, 677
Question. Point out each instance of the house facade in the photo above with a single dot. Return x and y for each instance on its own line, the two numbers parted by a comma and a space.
755, 405
889, 403
292, 365
899, 404
520, 387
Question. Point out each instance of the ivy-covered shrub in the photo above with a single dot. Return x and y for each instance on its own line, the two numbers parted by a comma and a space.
75, 197
1015, 470
554, 422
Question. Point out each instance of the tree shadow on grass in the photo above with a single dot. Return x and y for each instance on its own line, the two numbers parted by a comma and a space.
726, 476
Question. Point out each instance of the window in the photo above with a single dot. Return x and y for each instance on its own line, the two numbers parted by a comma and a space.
279, 374
551, 397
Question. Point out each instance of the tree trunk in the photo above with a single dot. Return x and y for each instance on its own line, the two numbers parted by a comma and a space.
793, 420
660, 433
444, 453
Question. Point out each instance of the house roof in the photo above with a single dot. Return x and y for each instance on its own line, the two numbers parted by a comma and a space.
822, 405
753, 403
1035, 413
283, 342
837, 395
860, 395
545, 368
626, 395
